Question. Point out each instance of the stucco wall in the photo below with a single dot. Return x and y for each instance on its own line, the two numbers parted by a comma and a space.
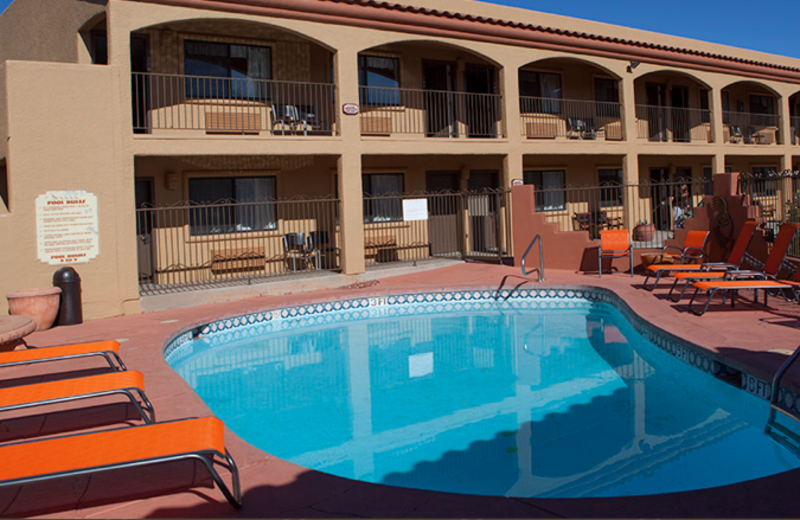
62, 127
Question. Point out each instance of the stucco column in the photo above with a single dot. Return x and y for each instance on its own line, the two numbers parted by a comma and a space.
509, 89
717, 128
785, 124
718, 163
628, 101
786, 162
348, 166
630, 175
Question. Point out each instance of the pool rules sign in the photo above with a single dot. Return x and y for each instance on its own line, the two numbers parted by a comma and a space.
66, 227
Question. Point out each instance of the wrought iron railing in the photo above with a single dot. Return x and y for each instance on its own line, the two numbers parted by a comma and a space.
432, 113
747, 128
474, 224
545, 118
231, 105
777, 196
670, 124
196, 245
652, 211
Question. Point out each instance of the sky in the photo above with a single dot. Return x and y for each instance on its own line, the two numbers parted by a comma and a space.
766, 25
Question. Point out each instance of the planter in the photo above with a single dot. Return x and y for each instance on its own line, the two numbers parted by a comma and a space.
40, 304
644, 232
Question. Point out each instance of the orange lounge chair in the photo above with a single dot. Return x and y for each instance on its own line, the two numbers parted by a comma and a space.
614, 243
108, 349
712, 287
735, 259
198, 439
772, 266
51, 392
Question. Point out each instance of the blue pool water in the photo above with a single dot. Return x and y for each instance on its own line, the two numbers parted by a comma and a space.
499, 399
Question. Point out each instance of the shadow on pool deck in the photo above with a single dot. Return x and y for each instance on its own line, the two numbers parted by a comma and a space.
750, 336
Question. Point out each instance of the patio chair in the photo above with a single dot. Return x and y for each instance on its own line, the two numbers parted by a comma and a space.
736, 134
38, 394
320, 242
711, 287
614, 243
692, 252
285, 116
296, 248
108, 349
189, 439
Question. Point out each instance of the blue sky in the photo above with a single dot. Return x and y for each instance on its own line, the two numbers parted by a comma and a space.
760, 25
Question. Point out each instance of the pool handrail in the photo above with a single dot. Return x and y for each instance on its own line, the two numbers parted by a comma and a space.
540, 269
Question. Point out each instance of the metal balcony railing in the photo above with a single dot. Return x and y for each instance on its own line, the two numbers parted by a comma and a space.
231, 105
547, 118
747, 128
795, 129
431, 113
671, 124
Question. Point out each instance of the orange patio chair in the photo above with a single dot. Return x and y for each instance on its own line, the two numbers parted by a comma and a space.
614, 243
735, 259
725, 286
108, 349
127, 383
95, 452
771, 270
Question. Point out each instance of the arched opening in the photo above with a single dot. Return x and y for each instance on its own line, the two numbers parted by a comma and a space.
672, 107
427, 88
228, 76
794, 115
565, 98
751, 114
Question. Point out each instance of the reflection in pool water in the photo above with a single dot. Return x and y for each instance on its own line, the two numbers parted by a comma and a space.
499, 400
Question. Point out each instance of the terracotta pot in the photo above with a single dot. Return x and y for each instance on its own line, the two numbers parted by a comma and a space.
644, 232
41, 304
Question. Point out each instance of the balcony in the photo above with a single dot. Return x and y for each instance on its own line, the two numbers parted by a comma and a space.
429, 113
672, 124
795, 129
551, 118
749, 128
164, 103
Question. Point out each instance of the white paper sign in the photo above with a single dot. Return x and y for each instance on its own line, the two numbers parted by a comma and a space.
66, 227
415, 209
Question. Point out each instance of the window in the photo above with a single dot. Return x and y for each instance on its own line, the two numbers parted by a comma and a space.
541, 85
232, 204
610, 187
246, 66
382, 76
382, 197
549, 188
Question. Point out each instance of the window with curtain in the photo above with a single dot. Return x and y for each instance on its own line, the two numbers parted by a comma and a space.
382, 197
610, 186
549, 188
242, 70
541, 85
381, 76
232, 204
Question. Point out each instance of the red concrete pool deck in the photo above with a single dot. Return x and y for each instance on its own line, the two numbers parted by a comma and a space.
750, 336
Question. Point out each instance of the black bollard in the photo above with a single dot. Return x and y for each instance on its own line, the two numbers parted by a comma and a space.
71, 309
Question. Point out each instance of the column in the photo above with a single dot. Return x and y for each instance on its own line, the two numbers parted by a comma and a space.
785, 124
630, 176
717, 127
628, 103
351, 201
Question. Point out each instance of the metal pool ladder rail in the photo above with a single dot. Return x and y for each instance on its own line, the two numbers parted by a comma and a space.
779, 432
540, 270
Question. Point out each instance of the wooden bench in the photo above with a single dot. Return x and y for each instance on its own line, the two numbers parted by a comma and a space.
381, 247
236, 260
233, 122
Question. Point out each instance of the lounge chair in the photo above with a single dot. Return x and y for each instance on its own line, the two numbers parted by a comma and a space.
771, 270
197, 439
735, 258
692, 252
51, 392
712, 287
614, 243
108, 349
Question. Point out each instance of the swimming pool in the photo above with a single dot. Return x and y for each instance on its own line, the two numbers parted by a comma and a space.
552, 395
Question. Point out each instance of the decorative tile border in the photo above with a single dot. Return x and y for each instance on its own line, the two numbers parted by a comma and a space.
253, 325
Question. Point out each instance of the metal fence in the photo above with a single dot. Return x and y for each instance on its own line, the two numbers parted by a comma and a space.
231, 105
459, 225
671, 124
432, 113
777, 196
652, 211
747, 128
544, 118
188, 244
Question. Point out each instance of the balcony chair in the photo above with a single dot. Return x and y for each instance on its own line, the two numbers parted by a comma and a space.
320, 242
614, 243
295, 247
285, 116
736, 134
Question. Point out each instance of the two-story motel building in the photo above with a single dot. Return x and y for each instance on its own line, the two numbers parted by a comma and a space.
207, 130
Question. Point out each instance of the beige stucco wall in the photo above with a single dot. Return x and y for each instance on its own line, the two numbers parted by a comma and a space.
63, 137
